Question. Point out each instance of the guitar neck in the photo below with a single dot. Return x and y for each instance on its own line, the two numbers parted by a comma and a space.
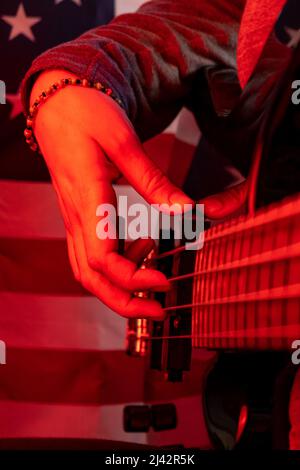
246, 285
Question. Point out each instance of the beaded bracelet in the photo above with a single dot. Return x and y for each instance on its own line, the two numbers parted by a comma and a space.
45, 95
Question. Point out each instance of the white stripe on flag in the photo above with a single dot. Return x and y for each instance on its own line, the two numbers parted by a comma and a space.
41, 420
79, 323
30, 210
185, 128
29, 420
129, 6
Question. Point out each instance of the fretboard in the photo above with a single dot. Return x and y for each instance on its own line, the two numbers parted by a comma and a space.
246, 289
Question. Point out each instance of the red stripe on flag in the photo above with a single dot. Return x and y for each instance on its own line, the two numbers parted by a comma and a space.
70, 376
90, 377
37, 266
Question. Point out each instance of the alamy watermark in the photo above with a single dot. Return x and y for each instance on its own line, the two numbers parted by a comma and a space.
296, 353
134, 221
2, 92
2, 353
296, 93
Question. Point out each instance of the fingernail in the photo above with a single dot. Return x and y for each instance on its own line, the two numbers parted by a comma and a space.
213, 206
180, 198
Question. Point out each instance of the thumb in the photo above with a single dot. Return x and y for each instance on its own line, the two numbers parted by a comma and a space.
146, 178
226, 203
139, 249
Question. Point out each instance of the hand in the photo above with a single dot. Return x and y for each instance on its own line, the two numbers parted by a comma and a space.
87, 142
229, 203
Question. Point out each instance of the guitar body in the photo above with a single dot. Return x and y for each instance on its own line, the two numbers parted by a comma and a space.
246, 400
239, 296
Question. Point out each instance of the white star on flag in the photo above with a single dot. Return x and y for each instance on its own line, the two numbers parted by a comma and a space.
16, 105
294, 34
77, 2
21, 24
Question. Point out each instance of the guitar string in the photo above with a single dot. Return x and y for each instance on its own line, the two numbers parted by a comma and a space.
228, 336
279, 293
281, 254
241, 224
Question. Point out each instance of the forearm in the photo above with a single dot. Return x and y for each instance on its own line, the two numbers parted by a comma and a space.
150, 58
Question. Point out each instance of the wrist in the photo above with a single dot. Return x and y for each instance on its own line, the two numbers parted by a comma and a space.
42, 92
45, 80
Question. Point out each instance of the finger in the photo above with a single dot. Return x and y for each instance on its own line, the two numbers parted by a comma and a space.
70, 243
128, 276
102, 253
72, 257
119, 300
80, 194
126, 151
84, 184
226, 203
138, 250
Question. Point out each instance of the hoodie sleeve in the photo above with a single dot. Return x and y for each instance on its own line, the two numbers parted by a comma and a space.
150, 58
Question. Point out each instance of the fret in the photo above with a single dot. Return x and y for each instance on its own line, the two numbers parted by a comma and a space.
293, 236
286, 274
294, 270
229, 318
223, 307
277, 277
246, 277
246, 282
205, 293
195, 295
262, 313
212, 315
195, 316
277, 254
250, 324
278, 293
277, 215
210, 288
215, 311
233, 291
245, 307
284, 331
266, 278
277, 308
202, 292
292, 320
216, 308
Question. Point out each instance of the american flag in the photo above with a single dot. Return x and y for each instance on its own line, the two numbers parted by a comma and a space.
67, 374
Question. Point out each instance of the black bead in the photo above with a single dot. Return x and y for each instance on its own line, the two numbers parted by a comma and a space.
78, 81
